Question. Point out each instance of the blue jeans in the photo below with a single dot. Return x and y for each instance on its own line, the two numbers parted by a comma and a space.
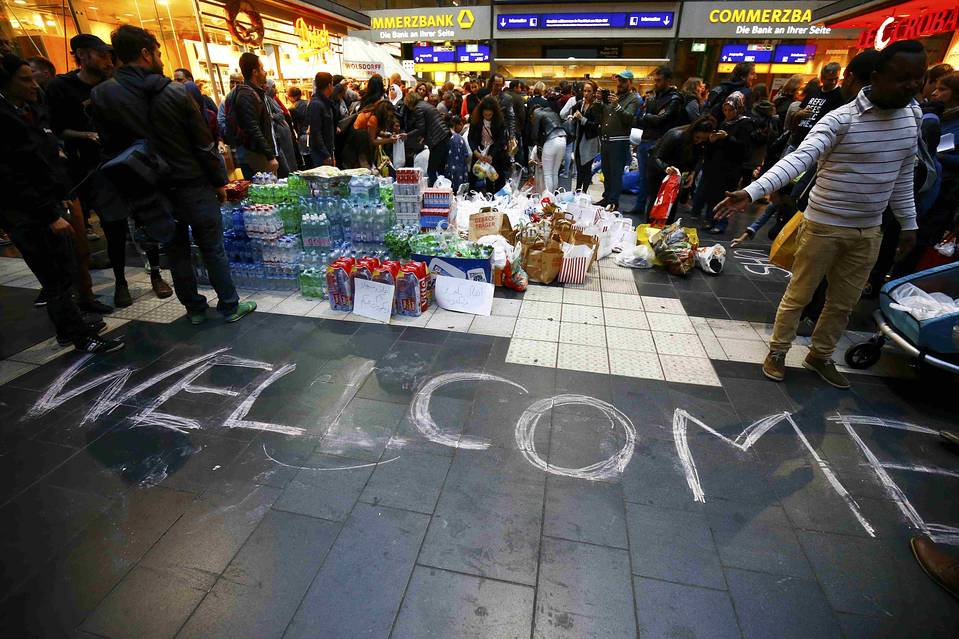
197, 209
760, 221
614, 156
642, 159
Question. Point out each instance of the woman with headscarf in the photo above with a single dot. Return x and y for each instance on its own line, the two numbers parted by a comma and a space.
726, 152
282, 132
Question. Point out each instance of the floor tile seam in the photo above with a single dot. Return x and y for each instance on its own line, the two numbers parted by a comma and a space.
475, 576
419, 552
584, 542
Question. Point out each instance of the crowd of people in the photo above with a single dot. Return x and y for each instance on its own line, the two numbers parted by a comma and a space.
95, 135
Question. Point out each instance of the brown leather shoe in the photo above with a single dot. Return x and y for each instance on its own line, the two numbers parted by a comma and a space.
943, 568
161, 288
775, 366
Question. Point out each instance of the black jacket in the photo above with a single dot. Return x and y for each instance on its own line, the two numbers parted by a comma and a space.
428, 125
254, 125
322, 128
519, 111
663, 112
497, 151
34, 174
543, 122
672, 150
301, 117
138, 104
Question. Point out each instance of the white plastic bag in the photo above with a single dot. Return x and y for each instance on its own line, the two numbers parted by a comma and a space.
502, 250
711, 259
920, 304
422, 161
442, 183
399, 154
640, 256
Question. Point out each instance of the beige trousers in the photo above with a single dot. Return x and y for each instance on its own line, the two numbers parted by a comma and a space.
844, 256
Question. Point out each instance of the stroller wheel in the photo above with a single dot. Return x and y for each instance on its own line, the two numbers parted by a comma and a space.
863, 355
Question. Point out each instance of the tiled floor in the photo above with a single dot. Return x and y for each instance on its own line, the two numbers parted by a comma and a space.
363, 525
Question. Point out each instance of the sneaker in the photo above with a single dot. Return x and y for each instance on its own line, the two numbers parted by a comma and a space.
161, 288
242, 309
826, 368
41, 300
97, 345
121, 296
95, 306
775, 366
94, 327
806, 327
198, 318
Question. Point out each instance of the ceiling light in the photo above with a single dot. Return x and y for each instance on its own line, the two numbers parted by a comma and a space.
19, 1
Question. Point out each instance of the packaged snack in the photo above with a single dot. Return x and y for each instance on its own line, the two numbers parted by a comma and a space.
339, 283
412, 289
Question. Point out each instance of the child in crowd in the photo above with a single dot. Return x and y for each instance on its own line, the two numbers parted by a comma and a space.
457, 163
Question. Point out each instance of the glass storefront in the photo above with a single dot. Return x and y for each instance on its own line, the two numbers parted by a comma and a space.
297, 41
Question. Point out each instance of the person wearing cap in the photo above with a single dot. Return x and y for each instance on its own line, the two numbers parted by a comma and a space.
66, 97
619, 114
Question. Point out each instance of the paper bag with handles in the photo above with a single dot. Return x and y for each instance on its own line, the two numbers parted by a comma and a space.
489, 221
543, 264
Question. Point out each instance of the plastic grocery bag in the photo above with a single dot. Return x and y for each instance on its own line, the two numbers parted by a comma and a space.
711, 259
442, 183
921, 304
676, 249
640, 256
399, 154
422, 161
783, 251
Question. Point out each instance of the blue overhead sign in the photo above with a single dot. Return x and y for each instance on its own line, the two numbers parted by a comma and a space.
472, 53
518, 21
428, 55
640, 20
794, 53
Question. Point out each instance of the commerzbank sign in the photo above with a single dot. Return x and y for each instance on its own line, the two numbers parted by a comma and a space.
755, 19
427, 24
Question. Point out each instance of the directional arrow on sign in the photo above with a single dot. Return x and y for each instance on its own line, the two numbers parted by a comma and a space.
502, 22
666, 21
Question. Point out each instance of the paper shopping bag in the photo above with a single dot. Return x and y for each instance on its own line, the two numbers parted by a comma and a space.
489, 221
576, 261
543, 265
783, 250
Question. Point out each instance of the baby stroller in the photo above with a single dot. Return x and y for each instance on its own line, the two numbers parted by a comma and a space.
933, 341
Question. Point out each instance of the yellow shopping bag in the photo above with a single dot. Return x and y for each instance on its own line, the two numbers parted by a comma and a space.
783, 250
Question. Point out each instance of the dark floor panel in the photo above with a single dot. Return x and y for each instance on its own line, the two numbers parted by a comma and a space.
447, 604
263, 585
21, 324
667, 610
358, 591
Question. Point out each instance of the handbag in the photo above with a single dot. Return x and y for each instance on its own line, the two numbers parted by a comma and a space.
783, 251
136, 168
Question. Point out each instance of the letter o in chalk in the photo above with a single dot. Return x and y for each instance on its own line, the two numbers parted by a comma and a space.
526, 430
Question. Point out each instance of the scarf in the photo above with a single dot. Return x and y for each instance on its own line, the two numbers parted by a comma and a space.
487, 139
738, 102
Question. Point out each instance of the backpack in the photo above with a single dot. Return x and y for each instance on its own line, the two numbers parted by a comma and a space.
928, 171
233, 134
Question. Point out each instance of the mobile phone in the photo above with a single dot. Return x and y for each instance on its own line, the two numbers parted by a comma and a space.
604, 95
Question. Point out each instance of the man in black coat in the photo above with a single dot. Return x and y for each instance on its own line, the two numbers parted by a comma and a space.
35, 177
248, 123
322, 121
140, 103
663, 112
429, 126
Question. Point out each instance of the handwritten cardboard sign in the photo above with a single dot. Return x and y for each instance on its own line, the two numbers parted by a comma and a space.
373, 299
465, 296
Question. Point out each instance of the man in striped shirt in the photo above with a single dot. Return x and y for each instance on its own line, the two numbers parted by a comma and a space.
866, 153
